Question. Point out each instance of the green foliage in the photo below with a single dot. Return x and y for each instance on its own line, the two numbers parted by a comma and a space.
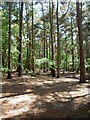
14, 57
27, 71
39, 63
65, 37
87, 65
4, 70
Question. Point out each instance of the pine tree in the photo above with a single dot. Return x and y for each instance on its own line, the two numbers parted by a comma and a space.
58, 45
19, 69
79, 23
9, 45
32, 42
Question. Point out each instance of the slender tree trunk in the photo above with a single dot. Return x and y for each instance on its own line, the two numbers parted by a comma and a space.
54, 44
28, 43
9, 45
18, 39
66, 53
51, 26
51, 36
87, 49
79, 23
72, 47
44, 34
52, 31
47, 52
49, 49
3, 61
78, 46
27, 57
58, 46
29, 47
32, 41
78, 53
27, 39
20, 44
66, 57
39, 48
66, 60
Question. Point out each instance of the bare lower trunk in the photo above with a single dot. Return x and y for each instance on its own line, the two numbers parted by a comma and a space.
39, 48
49, 49
72, 47
47, 53
51, 26
20, 44
55, 44
32, 42
66, 60
9, 45
58, 46
28, 43
79, 22
87, 49
44, 33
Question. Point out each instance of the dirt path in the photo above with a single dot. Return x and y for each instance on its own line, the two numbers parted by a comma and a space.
44, 97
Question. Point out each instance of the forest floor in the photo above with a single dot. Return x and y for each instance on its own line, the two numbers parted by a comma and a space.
42, 96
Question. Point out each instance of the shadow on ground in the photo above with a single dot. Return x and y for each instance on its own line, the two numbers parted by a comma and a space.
44, 97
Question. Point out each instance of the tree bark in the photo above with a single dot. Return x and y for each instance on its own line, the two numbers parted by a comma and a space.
20, 44
9, 45
72, 46
39, 49
79, 23
87, 49
32, 42
66, 57
44, 34
52, 32
49, 49
55, 44
58, 46
28, 43
51, 26
47, 52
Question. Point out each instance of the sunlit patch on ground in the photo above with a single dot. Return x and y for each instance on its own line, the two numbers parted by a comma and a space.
17, 105
44, 96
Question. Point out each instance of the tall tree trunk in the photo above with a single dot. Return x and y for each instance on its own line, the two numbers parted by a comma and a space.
66, 57
32, 41
39, 49
66, 60
9, 45
54, 44
27, 61
49, 49
20, 44
44, 34
51, 25
72, 46
52, 31
51, 36
66, 52
58, 46
87, 49
3, 61
28, 43
79, 23
47, 52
